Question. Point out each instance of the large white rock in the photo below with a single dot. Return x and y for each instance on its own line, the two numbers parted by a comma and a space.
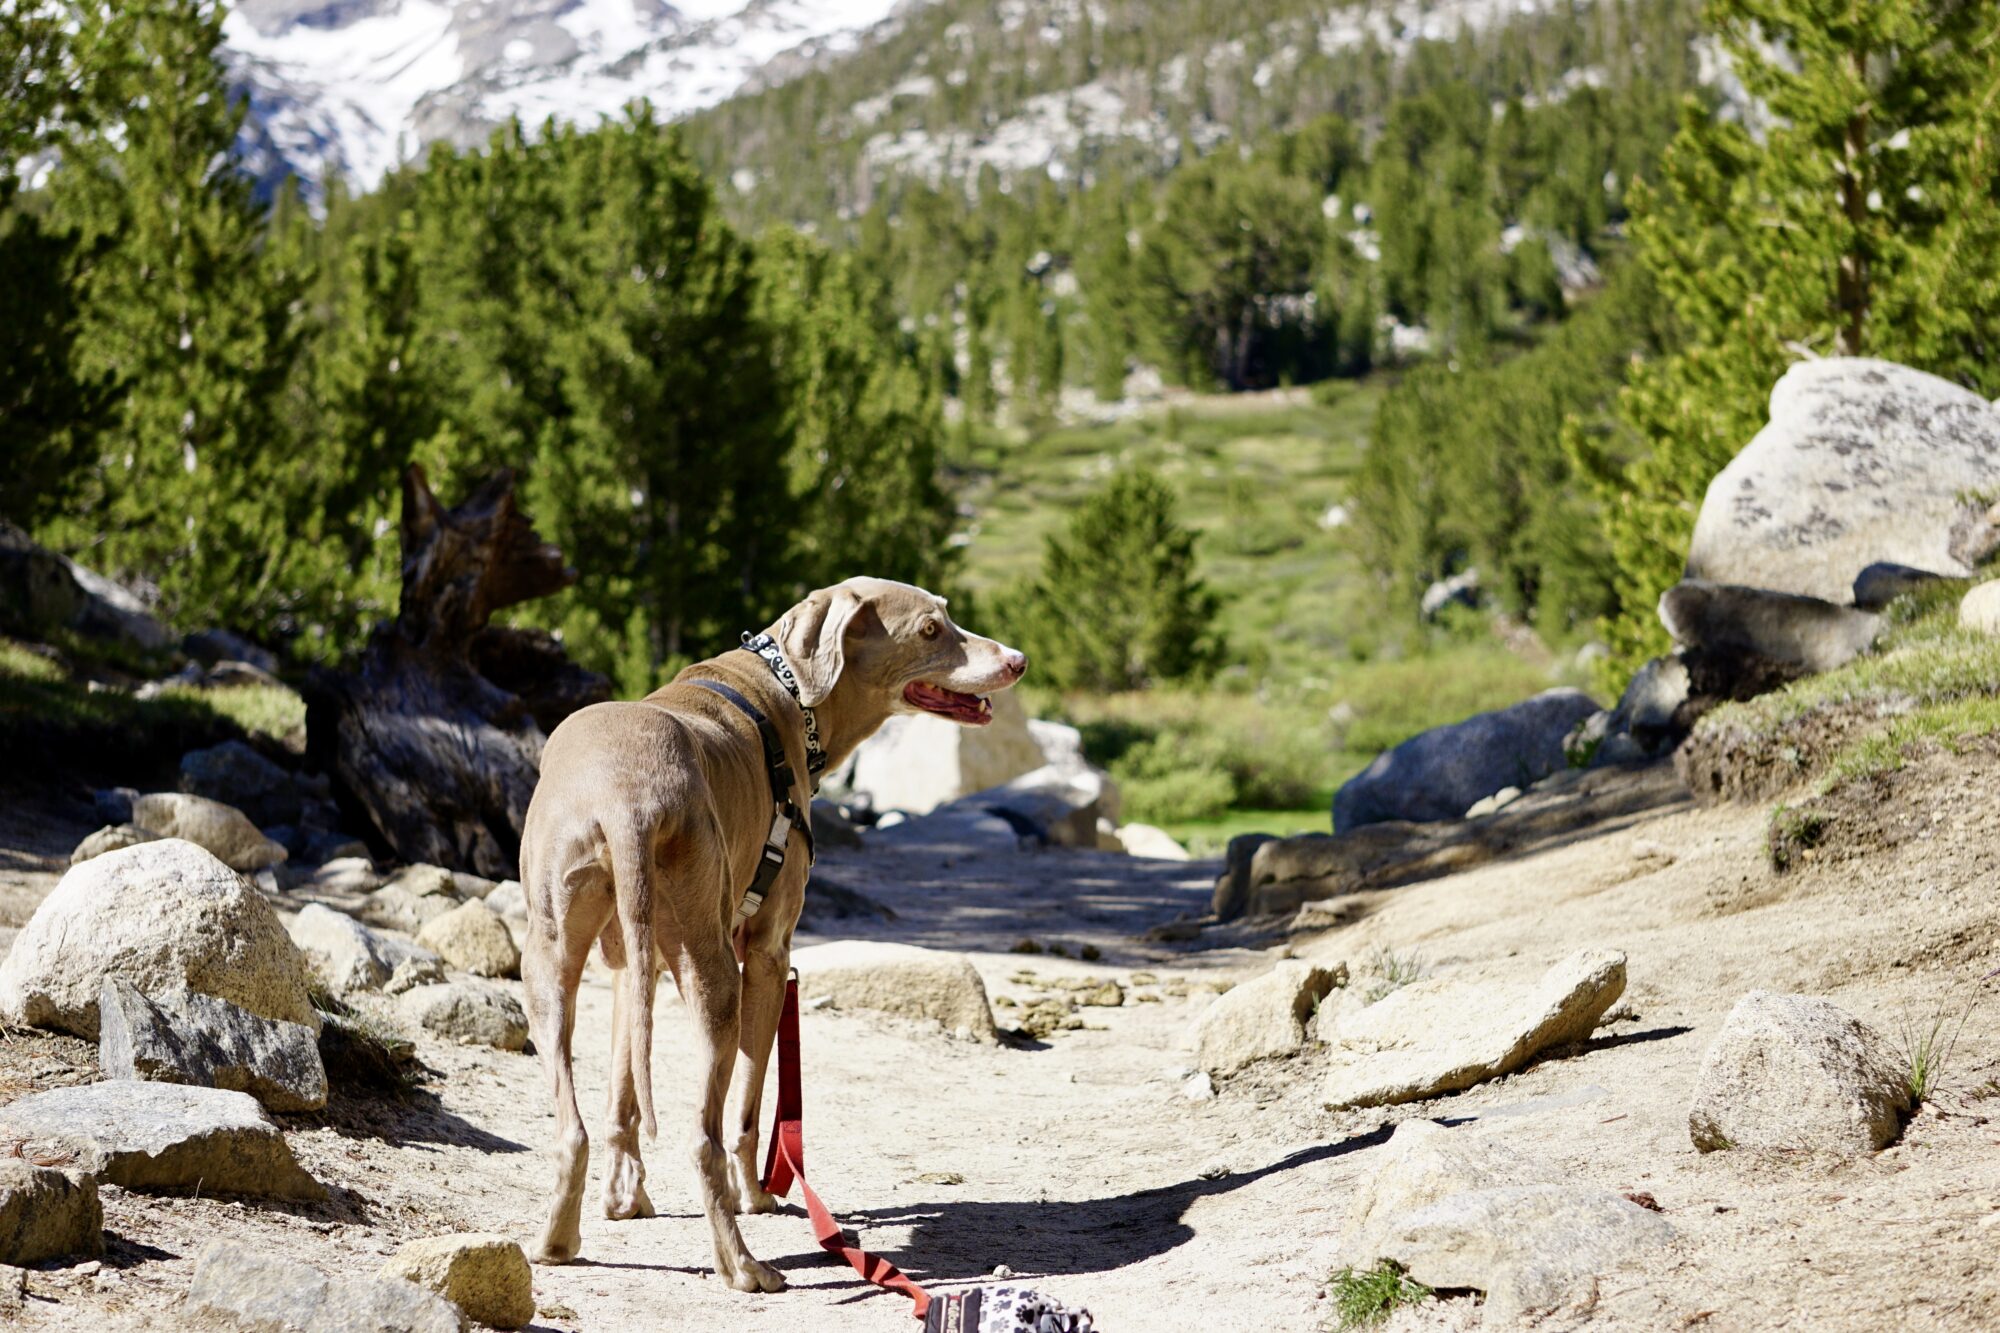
1862, 462
1794, 1071
1424, 1163
186, 1037
1530, 1248
1261, 1018
46, 1214
1979, 609
898, 979
1147, 841
222, 829
917, 763
164, 915
1442, 1034
471, 1013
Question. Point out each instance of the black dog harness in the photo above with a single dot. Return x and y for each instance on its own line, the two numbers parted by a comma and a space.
787, 815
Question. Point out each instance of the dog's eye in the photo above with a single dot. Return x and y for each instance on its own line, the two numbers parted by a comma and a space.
929, 629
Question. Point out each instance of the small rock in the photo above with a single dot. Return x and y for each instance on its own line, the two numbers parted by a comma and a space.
44, 1214
1262, 1018
421, 881
472, 939
1198, 1087
235, 775
110, 838
486, 1276
347, 874
898, 979
352, 957
1148, 841
183, 1037
1499, 800
473, 1013
1442, 1034
414, 972
1232, 887
1110, 995
223, 830
509, 899
1793, 1071
1424, 1163
238, 1288
396, 908
162, 914
163, 1138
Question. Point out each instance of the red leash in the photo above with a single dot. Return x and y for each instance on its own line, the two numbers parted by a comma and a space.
786, 1162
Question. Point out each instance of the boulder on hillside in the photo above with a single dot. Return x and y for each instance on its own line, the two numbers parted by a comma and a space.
1979, 609
898, 979
235, 775
471, 1013
211, 647
110, 838
162, 915
162, 1138
486, 1276
180, 1036
1444, 1034
1796, 1072
1438, 774
918, 762
235, 1287
1739, 642
1261, 1018
1062, 807
41, 591
472, 938
223, 830
1424, 1163
350, 956
413, 897
45, 1214
1861, 462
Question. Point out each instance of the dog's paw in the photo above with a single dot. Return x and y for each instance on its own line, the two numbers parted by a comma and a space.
753, 1276
755, 1198
624, 1207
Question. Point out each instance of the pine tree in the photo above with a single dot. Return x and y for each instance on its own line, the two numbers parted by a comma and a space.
862, 429
1118, 604
182, 307
1849, 210
50, 407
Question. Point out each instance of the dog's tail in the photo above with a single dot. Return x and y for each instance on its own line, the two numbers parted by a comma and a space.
632, 872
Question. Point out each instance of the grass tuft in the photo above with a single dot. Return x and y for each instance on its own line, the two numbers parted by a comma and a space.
1363, 1300
1926, 1043
1393, 971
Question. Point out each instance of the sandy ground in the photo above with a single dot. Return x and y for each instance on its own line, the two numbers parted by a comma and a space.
1079, 1164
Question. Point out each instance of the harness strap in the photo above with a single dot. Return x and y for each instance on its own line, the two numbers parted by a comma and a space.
786, 1162
787, 816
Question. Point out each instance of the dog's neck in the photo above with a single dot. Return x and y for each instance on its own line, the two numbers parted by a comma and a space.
843, 719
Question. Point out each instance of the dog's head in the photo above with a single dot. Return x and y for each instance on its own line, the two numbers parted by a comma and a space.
899, 644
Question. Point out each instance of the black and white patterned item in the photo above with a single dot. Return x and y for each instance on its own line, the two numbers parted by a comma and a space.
1003, 1310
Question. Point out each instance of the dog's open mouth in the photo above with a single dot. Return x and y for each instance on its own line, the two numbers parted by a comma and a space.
968, 710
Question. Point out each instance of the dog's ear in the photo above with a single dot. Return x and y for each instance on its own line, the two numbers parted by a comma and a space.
813, 635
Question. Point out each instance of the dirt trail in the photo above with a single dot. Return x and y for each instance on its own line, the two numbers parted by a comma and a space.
1088, 1173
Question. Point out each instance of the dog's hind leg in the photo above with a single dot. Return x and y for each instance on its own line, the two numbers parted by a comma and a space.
763, 1000
625, 1174
551, 968
712, 988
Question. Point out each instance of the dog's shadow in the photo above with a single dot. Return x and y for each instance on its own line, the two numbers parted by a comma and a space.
954, 1240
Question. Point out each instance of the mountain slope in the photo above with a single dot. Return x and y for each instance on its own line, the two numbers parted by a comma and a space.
356, 86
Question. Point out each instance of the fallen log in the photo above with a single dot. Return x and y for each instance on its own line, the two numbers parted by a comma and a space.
434, 741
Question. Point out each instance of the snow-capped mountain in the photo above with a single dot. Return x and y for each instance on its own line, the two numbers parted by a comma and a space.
357, 86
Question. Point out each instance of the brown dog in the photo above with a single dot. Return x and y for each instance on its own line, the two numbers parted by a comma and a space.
645, 831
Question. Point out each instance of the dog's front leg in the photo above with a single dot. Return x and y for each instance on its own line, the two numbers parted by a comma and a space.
764, 970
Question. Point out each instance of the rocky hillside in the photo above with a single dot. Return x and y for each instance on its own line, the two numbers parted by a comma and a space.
354, 87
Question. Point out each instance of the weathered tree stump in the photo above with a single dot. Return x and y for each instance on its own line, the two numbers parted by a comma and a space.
437, 738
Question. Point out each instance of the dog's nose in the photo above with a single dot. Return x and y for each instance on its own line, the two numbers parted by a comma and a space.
1017, 662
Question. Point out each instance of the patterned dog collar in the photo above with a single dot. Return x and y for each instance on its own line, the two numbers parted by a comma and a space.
767, 648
